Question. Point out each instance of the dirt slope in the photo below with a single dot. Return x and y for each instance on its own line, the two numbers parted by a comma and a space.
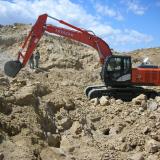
45, 115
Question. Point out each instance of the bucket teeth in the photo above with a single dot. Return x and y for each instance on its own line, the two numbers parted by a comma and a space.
11, 68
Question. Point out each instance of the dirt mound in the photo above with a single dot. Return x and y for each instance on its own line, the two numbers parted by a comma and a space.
152, 53
45, 115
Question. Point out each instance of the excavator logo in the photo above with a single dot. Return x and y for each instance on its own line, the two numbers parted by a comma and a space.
64, 33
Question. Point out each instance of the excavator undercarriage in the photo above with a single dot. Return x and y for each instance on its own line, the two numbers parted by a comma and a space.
125, 93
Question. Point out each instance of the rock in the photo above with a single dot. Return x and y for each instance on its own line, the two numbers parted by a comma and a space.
76, 128
104, 101
66, 145
152, 105
5, 108
119, 101
41, 90
48, 124
112, 100
56, 104
14, 81
119, 127
138, 100
144, 104
1, 137
10, 99
51, 108
154, 135
106, 131
53, 140
152, 146
125, 147
95, 101
48, 66
137, 156
21, 83
142, 97
2, 98
69, 104
158, 110
122, 139
66, 123
11, 129
152, 157
1, 156
4, 81
146, 130
96, 118
141, 109
157, 99
51, 153
17, 150
25, 96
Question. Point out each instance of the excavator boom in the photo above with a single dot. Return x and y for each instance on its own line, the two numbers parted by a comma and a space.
11, 68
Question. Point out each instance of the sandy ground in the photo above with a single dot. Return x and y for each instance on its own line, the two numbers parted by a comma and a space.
45, 115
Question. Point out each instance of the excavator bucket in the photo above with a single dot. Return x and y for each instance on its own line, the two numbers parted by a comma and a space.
11, 68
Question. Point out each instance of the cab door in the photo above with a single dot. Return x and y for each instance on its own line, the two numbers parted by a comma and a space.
117, 71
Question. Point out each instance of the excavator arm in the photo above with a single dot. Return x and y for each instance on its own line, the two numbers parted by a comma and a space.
11, 68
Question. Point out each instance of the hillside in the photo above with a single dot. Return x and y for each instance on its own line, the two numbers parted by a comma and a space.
44, 114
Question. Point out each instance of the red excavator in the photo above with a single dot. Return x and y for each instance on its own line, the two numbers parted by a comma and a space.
120, 79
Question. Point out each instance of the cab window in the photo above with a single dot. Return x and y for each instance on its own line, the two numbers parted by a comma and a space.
114, 64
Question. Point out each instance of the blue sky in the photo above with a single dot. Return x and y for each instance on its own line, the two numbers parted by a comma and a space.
124, 24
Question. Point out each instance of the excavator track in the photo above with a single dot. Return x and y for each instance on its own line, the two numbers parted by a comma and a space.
89, 88
126, 94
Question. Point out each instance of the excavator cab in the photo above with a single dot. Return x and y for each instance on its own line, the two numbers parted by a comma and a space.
117, 71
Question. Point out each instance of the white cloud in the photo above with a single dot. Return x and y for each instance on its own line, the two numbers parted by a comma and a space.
135, 6
27, 11
130, 36
107, 11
